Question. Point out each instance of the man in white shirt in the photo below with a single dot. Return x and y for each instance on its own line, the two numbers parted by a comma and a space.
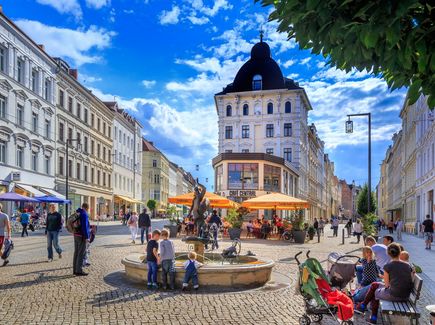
380, 250
5, 228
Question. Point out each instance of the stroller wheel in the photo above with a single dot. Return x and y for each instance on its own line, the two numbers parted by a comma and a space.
304, 320
316, 318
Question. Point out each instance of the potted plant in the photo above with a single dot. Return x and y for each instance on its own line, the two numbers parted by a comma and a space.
369, 226
311, 232
298, 227
235, 219
171, 212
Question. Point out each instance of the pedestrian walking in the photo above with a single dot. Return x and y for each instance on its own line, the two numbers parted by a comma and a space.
390, 226
335, 224
81, 237
144, 225
132, 224
349, 227
316, 226
428, 231
322, 226
5, 232
24, 219
52, 229
167, 257
399, 228
358, 230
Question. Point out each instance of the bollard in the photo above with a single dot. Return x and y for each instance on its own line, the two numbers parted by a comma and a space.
342, 236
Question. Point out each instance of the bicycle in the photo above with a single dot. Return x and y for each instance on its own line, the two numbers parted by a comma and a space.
288, 235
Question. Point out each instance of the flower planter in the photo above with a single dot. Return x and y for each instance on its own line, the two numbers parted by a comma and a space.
173, 230
234, 233
299, 236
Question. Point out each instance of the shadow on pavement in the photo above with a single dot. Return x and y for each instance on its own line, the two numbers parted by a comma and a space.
41, 279
43, 271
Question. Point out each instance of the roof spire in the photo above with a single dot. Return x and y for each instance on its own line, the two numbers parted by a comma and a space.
261, 33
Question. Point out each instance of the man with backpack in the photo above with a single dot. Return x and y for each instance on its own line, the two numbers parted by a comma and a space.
5, 227
81, 237
144, 225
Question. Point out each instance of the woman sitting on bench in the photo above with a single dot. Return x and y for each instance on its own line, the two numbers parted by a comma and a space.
397, 284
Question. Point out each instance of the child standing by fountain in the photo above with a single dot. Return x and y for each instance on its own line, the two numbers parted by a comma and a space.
153, 259
167, 256
191, 266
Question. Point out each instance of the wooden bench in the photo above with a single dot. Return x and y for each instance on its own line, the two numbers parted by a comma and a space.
404, 309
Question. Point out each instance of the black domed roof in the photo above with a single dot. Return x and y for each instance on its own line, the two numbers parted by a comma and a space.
260, 63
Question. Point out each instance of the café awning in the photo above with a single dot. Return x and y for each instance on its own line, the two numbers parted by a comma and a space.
53, 193
216, 201
128, 199
275, 201
30, 189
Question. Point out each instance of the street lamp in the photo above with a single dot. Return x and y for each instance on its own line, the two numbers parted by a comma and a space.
68, 144
349, 129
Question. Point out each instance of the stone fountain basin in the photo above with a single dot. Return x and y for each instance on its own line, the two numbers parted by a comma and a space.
248, 272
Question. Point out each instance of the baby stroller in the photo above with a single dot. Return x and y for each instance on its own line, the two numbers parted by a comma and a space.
319, 298
341, 269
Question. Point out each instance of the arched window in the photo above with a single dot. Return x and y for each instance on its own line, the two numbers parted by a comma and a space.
245, 109
257, 82
288, 107
229, 110
270, 108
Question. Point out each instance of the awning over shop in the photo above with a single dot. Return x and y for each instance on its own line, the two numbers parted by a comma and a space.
53, 193
30, 189
128, 199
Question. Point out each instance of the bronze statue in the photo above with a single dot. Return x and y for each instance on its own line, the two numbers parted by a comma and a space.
200, 205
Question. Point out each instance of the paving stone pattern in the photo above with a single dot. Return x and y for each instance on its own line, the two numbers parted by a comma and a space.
33, 291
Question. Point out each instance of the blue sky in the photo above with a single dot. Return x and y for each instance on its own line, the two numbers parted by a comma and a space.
164, 61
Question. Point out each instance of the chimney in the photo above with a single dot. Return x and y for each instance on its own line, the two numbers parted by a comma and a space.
73, 73
42, 47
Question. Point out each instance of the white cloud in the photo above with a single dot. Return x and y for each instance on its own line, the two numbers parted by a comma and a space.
211, 11
288, 63
305, 61
128, 11
97, 4
339, 75
198, 21
293, 75
332, 101
85, 79
80, 46
64, 6
170, 17
148, 83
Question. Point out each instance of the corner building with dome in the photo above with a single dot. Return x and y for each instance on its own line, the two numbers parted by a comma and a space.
265, 142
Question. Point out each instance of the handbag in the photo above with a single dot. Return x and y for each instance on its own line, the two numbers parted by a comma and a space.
31, 227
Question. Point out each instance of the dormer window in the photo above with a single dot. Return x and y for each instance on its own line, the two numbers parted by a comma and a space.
229, 110
257, 82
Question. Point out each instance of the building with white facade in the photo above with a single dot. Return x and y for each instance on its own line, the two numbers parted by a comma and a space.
127, 160
408, 171
265, 143
85, 124
27, 113
425, 160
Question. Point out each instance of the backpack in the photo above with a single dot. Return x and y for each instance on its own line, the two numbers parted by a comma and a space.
73, 223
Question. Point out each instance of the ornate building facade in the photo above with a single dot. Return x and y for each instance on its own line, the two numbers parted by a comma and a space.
27, 113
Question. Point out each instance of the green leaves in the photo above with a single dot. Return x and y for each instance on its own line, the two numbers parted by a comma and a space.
393, 39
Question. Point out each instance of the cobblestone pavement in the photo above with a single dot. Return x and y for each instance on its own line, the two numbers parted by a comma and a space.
33, 291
